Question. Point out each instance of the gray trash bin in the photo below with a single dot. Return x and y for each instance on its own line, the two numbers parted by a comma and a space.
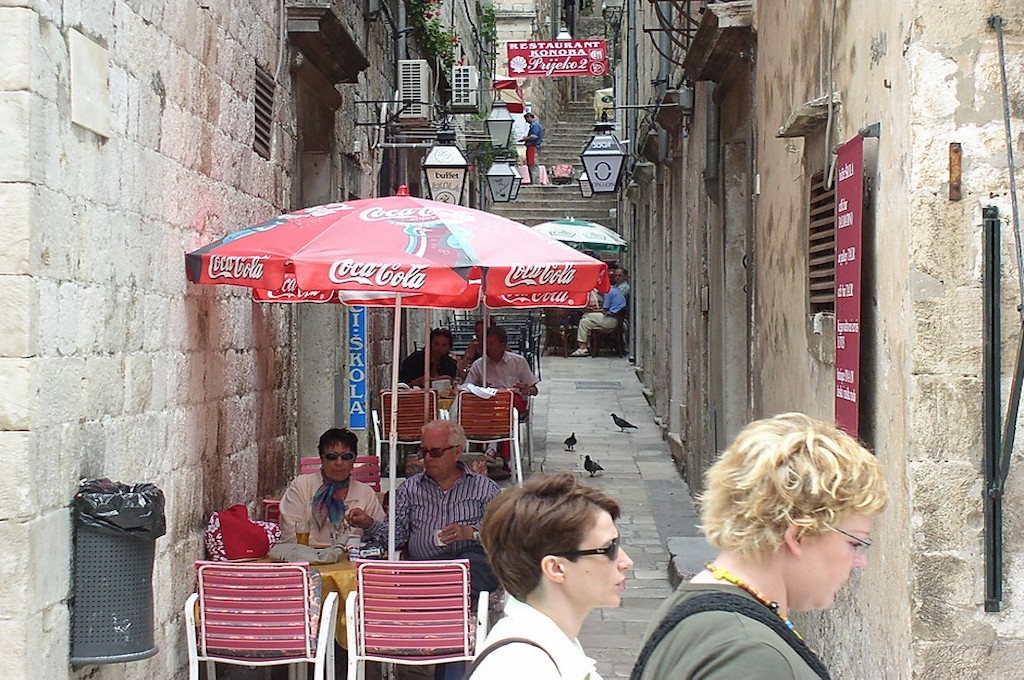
116, 527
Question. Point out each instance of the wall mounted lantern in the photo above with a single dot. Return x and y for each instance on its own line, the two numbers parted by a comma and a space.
499, 124
603, 159
445, 168
501, 180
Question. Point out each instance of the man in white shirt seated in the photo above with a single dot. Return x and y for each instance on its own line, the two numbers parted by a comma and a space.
504, 370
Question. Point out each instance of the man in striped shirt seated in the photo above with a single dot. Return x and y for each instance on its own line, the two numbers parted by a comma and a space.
438, 512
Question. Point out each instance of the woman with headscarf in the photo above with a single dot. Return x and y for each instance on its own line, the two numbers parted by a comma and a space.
319, 501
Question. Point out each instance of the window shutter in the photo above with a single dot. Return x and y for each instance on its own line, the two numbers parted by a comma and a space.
264, 106
821, 246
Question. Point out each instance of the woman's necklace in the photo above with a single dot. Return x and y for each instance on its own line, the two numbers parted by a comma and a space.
721, 574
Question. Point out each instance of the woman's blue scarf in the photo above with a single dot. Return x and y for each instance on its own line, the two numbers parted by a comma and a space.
328, 504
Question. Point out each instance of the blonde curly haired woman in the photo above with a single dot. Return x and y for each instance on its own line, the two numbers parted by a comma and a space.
790, 505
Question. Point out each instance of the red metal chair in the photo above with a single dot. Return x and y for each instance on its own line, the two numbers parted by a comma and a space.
412, 614
491, 420
259, 615
309, 465
367, 471
272, 510
415, 408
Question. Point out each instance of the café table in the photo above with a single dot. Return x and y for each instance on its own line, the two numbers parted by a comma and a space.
340, 578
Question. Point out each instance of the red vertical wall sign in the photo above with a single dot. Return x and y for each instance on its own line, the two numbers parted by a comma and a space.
849, 220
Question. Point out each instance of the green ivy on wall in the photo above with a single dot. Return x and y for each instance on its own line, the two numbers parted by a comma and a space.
489, 31
439, 41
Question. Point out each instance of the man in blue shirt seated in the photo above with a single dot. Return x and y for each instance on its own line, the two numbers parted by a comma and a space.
607, 319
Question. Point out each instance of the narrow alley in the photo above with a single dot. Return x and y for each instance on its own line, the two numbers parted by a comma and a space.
579, 395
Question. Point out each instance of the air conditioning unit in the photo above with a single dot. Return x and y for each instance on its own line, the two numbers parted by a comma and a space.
465, 89
414, 91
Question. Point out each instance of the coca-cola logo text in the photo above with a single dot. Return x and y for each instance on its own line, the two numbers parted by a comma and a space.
235, 267
378, 274
540, 275
417, 214
553, 298
290, 290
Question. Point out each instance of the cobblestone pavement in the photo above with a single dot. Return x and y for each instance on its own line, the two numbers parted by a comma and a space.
579, 395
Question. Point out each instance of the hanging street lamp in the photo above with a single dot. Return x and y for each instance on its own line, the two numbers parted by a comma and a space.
501, 180
499, 124
445, 168
603, 159
586, 191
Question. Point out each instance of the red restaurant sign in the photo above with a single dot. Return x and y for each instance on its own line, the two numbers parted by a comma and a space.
546, 58
849, 218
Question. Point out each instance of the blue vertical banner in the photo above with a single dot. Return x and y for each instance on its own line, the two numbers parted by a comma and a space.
357, 368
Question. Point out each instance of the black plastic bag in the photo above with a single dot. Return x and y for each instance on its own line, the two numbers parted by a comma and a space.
121, 510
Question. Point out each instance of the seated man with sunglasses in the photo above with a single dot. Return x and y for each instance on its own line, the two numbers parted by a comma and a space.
318, 502
438, 511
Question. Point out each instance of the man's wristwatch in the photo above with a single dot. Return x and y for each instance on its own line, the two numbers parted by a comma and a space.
476, 535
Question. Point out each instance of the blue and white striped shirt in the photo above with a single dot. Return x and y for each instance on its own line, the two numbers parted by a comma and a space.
422, 508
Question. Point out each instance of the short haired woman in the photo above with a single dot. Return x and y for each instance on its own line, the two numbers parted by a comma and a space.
554, 547
790, 506
442, 364
321, 499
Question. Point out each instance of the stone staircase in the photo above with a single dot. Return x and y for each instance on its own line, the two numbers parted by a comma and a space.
564, 139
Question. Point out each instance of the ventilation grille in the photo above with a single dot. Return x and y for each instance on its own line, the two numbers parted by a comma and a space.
821, 246
465, 89
414, 90
264, 113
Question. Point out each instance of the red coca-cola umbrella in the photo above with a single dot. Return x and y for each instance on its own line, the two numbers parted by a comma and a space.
399, 251
374, 251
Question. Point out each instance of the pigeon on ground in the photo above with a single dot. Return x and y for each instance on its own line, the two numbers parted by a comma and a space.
622, 423
570, 442
591, 466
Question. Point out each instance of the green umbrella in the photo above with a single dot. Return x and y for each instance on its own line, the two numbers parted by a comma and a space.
583, 235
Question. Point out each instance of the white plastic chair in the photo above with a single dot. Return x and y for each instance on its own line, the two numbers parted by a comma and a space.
258, 615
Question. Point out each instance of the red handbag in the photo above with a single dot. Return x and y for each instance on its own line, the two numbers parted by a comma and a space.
231, 535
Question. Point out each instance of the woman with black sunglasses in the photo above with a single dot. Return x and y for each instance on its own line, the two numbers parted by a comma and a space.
318, 502
554, 547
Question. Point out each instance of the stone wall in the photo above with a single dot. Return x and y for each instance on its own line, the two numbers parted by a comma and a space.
794, 360
929, 79
955, 97
114, 366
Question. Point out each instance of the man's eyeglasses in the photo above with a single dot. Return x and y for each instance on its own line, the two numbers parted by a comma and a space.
861, 545
611, 551
435, 453
346, 456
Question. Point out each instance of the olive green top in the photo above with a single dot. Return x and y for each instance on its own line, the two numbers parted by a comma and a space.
720, 645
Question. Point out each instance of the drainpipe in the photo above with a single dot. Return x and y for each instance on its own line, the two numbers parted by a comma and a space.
712, 143
1000, 468
990, 411
664, 71
401, 178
